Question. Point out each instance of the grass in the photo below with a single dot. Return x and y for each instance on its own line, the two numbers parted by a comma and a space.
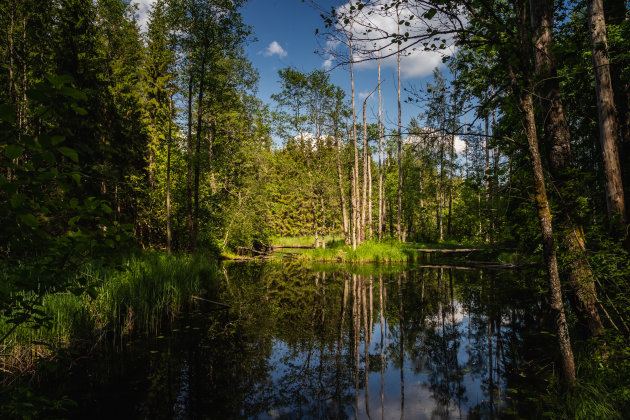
369, 251
389, 250
299, 241
136, 297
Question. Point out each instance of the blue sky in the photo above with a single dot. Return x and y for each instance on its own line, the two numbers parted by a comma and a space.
285, 37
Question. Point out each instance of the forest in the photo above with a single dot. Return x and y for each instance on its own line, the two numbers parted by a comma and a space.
136, 160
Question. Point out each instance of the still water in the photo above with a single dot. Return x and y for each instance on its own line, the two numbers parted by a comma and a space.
327, 341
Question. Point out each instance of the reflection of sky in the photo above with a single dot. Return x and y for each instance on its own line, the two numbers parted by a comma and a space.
290, 376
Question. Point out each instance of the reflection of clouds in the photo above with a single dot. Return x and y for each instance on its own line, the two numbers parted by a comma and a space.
419, 402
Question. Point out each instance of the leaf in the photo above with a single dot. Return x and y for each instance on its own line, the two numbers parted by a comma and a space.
69, 153
13, 151
55, 140
430, 13
29, 220
17, 200
74, 93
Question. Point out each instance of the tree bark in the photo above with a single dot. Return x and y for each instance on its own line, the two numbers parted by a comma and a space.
197, 160
560, 156
169, 238
526, 105
381, 216
399, 233
189, 152
355, 212
365, 174
342, 195
607, 117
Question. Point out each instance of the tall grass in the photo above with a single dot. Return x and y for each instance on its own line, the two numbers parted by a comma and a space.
137, 296
307, 240
369, 251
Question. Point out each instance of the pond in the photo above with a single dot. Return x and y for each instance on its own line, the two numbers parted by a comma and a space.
329, 341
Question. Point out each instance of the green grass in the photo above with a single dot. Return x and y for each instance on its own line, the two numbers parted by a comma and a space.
308, 240
138, 296
369, 251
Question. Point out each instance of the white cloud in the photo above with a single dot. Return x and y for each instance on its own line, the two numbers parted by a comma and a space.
142, 14
274, 49
369, 33
460, 145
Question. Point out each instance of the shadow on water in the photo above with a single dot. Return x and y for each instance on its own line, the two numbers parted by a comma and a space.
324, 341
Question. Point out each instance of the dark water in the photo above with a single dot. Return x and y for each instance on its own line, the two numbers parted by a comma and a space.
328, 341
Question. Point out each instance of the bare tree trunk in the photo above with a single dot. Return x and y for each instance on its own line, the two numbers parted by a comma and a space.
369, 166
487, 177
381, 204
355, 229
607, 116
315, 224
342, 195
558, 139
450, 185
197, 160
365, 174
321, 201
189, 152
399, 137
354, 209
169, 237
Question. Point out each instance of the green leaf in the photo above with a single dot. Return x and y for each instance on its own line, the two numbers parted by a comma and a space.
17, 200
74, 93
13, 151
55, 140
430, 13
29, 220
69, 153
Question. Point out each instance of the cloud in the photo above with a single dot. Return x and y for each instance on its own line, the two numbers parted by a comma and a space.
369, 32
274, 49
142, 14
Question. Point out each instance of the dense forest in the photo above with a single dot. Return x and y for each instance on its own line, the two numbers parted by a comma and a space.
120, 142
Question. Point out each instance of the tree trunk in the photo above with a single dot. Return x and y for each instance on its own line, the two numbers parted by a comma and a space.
197, 160
526, 105
189, 216
342, 195
321, 201
399, 138
381, 216
450, 185
549, 250
355, 228
168, 177
560, 156
607, 117
369, 174
365, 174
487, 178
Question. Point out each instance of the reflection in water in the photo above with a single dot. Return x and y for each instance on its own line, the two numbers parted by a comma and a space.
329, 342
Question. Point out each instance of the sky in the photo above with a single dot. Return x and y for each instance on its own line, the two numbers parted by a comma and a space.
284, 36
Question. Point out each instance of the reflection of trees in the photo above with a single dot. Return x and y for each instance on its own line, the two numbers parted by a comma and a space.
299, 342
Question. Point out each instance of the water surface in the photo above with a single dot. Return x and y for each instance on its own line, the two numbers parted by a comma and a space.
327, 341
